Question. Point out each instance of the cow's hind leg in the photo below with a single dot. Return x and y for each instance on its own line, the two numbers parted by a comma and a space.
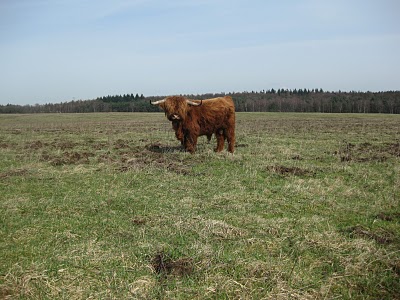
220, 140
230, 136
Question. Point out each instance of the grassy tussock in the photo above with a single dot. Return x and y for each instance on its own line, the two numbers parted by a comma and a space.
107, 206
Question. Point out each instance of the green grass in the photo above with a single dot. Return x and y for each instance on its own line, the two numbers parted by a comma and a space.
106, 206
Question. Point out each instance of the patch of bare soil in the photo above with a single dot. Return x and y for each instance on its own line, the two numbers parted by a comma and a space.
124, 157
148, 158
140, 162
366, 152
12, 173
393, 148
286, 171
297, 157
121, 144
107, 158
5, 145
35, 145
139, 221
68, 158
380, 236
63, 145
164, 265
178, 169
16, 131
388, 216
100, 145
160, 148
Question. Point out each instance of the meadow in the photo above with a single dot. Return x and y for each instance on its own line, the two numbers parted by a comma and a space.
108, 206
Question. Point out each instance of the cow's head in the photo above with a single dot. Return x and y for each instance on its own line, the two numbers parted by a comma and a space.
176, 107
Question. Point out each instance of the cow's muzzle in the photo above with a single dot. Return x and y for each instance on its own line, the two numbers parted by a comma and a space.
174, 117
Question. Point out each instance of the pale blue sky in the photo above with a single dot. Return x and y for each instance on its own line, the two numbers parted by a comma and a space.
59, 50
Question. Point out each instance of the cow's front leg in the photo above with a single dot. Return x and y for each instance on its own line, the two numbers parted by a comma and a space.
209, 138
190, 143
177, 126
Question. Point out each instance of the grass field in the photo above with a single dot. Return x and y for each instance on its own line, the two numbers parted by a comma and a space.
107, 206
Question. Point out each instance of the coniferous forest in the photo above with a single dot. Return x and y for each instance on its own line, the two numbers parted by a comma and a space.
281, 100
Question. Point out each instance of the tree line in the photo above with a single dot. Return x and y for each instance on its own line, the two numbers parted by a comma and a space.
281, 100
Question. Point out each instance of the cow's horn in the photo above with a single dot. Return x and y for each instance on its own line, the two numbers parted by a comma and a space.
194, 103
158, 102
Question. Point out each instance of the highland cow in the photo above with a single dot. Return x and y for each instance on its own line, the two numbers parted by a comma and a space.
193, 118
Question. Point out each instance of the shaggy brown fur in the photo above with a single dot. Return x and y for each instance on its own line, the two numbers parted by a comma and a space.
213, 116
177, 126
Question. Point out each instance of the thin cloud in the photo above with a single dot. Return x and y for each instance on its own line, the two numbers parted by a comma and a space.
59, 49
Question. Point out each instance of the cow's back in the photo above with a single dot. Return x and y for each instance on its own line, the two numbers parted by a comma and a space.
215, 114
